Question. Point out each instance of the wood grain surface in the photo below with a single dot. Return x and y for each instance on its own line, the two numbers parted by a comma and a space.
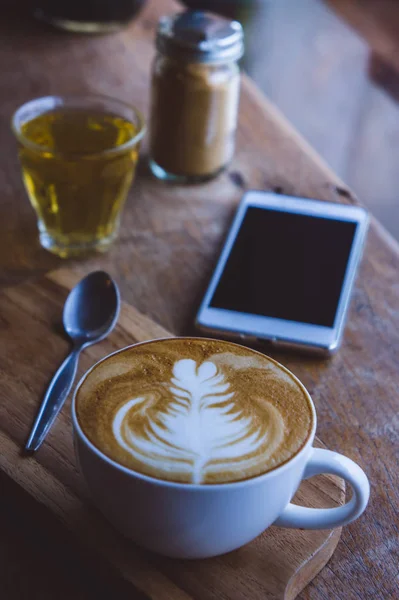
289, 558
169, 242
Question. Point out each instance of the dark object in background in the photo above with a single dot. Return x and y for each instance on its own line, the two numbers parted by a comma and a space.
242, 10
87, 16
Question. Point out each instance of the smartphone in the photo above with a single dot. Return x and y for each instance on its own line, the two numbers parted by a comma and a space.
285, 273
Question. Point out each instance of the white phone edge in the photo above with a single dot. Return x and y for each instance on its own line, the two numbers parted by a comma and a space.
280, 333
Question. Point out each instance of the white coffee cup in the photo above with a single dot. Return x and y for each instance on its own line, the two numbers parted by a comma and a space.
198, 521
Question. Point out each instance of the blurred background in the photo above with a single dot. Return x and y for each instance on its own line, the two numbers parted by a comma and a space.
332, 68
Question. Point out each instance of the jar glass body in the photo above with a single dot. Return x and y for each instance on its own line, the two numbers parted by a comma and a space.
193, 118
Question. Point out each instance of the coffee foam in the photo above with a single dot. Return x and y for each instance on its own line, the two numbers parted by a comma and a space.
194, 410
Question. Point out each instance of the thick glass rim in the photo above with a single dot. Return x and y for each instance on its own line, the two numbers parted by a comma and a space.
44, 104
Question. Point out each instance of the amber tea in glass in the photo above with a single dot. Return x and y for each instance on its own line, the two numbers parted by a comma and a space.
78, 157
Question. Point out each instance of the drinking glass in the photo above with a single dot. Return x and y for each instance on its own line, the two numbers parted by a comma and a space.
78, 157
87, 16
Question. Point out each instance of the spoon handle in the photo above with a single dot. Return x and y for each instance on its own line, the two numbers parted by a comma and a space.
54, 399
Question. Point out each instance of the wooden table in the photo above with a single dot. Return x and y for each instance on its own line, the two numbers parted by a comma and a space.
168, 244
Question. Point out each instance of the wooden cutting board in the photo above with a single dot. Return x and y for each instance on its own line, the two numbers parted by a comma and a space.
278, 564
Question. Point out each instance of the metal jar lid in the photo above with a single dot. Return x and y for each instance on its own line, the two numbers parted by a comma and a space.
196, 36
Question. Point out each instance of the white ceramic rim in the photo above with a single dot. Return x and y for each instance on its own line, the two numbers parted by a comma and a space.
193, 486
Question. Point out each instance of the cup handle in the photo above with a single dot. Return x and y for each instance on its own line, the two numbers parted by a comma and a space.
325, 461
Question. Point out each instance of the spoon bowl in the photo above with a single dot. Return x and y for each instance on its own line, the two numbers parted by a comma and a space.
91, 309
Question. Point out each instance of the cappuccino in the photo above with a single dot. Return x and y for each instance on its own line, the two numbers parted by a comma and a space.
194, 410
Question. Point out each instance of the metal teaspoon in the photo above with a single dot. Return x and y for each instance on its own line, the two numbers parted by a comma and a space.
90, 313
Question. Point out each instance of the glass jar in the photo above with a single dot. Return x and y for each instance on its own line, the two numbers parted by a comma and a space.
194, 99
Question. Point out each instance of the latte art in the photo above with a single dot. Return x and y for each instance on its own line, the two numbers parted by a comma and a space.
202, 425
194, 411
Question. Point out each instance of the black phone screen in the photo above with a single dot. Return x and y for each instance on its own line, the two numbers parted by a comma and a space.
287, 266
